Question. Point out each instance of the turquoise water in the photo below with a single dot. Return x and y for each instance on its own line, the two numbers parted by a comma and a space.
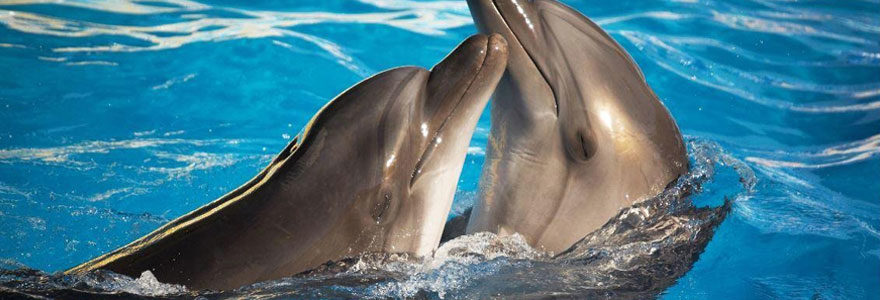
118, 116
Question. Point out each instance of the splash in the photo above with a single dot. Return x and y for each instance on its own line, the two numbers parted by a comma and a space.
146, 284
15, 284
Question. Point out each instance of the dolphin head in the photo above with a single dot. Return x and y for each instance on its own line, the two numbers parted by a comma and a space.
455, 94
576, 132
393, 146
374, 170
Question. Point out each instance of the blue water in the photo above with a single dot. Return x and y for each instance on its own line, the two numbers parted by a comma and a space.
118, 116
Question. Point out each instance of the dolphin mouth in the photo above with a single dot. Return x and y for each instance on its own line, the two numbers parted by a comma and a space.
487, 49
529, 52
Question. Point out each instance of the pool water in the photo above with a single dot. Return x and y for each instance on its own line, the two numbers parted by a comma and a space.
118, 116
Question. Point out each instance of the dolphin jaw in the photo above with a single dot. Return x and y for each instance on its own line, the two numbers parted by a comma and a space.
521, 38
489, 48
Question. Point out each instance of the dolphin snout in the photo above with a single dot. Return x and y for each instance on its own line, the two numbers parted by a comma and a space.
469, 71
497, 51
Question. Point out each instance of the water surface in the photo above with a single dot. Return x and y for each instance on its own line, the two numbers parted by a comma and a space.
118, 116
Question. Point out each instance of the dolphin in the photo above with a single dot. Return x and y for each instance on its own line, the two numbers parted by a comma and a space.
375, 170
576, 133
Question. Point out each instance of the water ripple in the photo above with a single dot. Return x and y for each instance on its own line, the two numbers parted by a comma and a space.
62, 154
423, 18
790, 205
724, 78
838, 155
120, 6
173, 81
660, 15
747, 23
783, 63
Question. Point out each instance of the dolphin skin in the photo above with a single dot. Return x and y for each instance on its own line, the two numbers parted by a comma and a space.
375, 170
576, 134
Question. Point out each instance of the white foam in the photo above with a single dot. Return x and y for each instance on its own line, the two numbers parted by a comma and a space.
146, 284
447, 270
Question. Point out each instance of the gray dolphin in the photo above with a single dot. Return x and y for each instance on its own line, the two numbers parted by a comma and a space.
576, 132
375, 171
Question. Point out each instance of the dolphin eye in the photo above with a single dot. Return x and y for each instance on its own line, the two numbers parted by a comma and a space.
588, 146
581, 146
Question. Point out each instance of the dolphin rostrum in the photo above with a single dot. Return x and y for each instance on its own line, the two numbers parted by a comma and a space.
576, 134
375, 170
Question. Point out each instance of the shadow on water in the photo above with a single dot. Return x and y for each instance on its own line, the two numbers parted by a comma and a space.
637, 254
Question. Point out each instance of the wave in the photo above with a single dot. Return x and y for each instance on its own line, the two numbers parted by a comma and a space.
121, 6
792, 203
724, 78
424, 18
63, 154
778, 193
174, 81
789, 206
833, 156
92, 63
747, 23
198, 22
